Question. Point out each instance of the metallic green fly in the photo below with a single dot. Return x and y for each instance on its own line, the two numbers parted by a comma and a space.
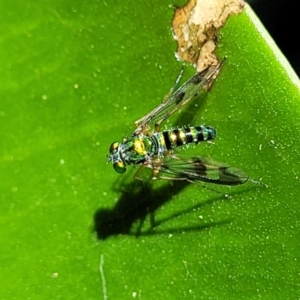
150, 148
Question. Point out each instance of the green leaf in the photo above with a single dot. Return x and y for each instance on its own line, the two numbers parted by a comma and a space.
74, 78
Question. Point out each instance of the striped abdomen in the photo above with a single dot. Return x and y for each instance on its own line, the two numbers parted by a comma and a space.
186, 135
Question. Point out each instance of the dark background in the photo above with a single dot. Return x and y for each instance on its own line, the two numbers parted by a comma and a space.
281, 19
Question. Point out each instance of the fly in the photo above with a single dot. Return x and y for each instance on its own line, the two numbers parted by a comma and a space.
149, 147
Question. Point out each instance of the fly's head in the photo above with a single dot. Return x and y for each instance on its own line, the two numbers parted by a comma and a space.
116, 157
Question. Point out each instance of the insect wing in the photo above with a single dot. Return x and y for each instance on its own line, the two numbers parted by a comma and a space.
180, 97
199, 168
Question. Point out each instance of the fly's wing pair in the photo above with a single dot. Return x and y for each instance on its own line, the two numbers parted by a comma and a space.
179, 98
197, 169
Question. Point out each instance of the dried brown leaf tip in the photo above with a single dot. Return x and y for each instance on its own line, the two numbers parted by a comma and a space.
196, 26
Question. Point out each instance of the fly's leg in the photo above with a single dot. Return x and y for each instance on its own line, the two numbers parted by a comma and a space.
139, 170
166, 98
152, 113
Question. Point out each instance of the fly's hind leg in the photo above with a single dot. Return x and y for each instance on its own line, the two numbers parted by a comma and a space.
166, 98
142, 123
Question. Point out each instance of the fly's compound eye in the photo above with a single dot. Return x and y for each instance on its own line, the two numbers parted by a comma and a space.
115, 158
114, 146
119, 167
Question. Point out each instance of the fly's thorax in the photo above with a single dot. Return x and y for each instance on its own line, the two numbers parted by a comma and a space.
186, 135
137, 149
132, 151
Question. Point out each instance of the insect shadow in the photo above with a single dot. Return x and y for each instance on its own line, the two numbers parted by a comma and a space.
137, 202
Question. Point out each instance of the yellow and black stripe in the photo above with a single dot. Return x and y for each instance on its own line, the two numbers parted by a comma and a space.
186, 135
